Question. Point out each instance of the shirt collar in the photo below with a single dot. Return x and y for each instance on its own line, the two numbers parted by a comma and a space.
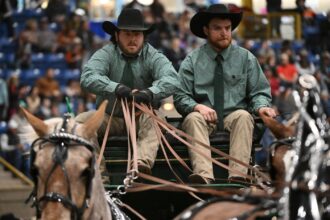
213, 54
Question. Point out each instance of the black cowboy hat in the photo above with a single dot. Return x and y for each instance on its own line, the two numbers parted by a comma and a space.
129, 19
202, 18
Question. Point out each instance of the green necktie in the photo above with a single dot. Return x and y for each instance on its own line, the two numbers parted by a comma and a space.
218, 91
128, 77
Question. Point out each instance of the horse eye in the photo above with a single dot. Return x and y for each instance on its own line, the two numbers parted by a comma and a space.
34, 171
86, 173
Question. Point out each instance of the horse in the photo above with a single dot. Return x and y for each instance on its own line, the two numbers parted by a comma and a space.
67, 180
306, 193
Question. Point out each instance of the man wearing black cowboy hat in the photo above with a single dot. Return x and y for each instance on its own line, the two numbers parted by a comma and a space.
221, 86
127, 68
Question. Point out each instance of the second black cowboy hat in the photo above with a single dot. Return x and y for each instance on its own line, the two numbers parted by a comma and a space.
200, 19
129, 19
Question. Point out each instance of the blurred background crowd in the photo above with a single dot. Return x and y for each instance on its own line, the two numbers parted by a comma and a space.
44, 45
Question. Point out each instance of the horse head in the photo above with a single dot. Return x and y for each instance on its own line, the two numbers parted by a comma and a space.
66, 177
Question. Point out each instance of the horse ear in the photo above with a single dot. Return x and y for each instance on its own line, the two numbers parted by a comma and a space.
94, 122
39, 126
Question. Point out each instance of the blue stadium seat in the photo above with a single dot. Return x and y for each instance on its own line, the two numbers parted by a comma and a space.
3, 127
56, 61
96, 28
3, 74
2, 60
276, 45
39, 60
297, 46
8, 45
3, 30
28, 77
72, 74
22, 16
7, 60
59, 76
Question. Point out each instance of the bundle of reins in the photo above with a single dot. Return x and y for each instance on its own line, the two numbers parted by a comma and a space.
161, 126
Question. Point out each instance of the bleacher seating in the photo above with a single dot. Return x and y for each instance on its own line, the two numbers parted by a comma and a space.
28, 77
3, 73
8, 45
3, 127
21, 17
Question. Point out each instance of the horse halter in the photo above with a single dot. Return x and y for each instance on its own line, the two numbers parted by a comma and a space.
62, 141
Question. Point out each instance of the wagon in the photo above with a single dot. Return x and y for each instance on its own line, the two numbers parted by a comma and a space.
167, 203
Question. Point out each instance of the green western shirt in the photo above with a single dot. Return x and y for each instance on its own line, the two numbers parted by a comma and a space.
245, 85
151, 70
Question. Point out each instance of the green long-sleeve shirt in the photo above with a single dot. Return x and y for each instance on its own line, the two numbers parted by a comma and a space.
245, 85
151, 70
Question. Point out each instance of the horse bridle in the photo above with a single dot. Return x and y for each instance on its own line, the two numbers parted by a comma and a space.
62, 141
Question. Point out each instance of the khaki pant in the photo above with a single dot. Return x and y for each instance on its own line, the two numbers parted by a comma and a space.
147, 141
239, 123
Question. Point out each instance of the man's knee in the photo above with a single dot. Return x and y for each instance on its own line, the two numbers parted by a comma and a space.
245, 116
194, 118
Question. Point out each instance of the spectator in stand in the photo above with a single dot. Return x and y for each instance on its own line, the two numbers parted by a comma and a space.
88, 40
6, 9
249, 45
286, 47
33, 100
13, 88
73, 92
325, 32
27, 44
325, 66
45, 108
135, 5
308, 26
48, 86
286, 71
75, 54
262, 60
175, 53
75, 19
66, 38
274, 82
10, 145
275, 20
157, 11
4, 101
183, 24
56, 10
266, 49
307, 14
46, 37
304, 66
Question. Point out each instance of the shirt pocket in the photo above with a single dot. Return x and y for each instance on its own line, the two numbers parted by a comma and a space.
234, 79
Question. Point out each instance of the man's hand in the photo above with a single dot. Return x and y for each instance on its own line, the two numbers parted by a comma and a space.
123, 91
267, 112
143, 96
208, 113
